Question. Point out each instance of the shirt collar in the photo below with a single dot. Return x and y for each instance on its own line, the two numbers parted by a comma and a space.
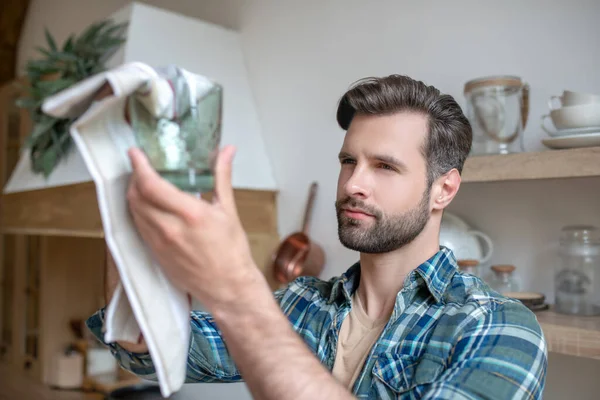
346, 284
435, 273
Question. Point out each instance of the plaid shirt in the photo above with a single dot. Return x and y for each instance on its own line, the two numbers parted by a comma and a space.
449, 337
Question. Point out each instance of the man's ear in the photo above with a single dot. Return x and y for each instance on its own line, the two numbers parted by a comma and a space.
444, 189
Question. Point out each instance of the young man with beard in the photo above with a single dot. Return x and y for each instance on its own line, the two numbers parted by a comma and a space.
403, 322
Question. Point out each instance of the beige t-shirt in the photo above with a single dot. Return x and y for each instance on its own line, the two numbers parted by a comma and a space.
357, 336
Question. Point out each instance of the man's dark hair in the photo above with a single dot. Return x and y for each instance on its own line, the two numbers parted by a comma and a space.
450, 135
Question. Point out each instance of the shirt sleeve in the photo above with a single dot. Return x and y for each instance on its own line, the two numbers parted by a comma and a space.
208, 357
500, 355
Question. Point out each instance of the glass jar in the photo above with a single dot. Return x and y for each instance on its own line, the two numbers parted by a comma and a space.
503, 280
498, 108
469, 267
577, 290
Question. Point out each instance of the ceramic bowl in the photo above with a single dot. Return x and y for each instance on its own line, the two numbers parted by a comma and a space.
579, 116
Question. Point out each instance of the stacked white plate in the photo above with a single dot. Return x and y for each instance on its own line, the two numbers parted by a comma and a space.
576, 121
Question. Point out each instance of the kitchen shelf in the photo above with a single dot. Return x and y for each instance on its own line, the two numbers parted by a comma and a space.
551, 164
72, 210
571, 334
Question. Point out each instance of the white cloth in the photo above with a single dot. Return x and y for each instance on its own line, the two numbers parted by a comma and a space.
145, 301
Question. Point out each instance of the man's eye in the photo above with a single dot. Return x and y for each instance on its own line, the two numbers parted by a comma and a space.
347, 161
385, 166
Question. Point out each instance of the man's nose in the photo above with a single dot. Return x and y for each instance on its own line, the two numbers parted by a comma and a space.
360, 184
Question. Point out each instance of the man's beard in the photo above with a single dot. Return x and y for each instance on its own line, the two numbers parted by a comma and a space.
387, 233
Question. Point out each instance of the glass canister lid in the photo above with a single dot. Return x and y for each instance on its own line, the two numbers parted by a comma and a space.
503, 268
470, 266
580, 234
507, 83
580, 240
467, 263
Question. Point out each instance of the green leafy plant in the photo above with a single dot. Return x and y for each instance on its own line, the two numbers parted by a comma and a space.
59, 68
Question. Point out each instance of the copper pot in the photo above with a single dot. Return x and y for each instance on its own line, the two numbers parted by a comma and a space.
297, 255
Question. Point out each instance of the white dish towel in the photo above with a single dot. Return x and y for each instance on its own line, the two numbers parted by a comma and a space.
145, 301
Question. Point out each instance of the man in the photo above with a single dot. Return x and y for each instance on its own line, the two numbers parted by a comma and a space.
402, 322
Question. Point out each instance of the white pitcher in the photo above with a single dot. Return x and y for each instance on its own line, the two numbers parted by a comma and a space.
464, 242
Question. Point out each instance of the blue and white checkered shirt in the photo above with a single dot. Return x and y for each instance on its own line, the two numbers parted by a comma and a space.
449, 337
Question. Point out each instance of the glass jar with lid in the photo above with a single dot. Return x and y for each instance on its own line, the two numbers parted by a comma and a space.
577, 290
469, 266
498, 108
503, 280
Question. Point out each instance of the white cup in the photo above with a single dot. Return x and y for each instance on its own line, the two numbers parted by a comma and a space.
569, 98
575, 117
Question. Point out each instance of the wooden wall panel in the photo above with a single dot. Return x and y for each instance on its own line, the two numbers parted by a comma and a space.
19, 302
263, 246
14, 249
72, 272
12, 16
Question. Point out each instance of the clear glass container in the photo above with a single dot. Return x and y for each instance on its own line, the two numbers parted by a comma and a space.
503, 279
497, 108
470, 267
177, 122
577, 290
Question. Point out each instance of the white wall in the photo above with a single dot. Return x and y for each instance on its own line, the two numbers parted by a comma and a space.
301, 56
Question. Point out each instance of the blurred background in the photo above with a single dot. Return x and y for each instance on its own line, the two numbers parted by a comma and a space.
297, 58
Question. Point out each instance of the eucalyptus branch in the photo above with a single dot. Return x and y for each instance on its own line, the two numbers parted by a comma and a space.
59, 68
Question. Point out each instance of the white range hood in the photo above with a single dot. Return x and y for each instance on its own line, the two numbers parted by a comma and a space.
159, 37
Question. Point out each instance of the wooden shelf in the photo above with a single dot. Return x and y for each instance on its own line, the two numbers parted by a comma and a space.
72, 210
570, 334
551, 164
69, 210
